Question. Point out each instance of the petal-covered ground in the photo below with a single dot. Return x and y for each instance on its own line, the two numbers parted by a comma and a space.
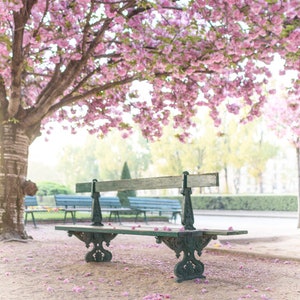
52, 266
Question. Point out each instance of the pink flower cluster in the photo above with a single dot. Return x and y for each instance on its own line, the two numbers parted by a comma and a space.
79, 61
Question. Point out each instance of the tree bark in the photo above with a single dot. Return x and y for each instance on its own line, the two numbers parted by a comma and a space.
13, 169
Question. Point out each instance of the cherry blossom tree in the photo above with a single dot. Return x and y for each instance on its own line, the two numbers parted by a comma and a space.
74, 62
283, 117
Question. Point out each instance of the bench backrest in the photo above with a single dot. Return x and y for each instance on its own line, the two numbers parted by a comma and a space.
72, 200
158, 204
153, 183
110, 202
85, 201
30, 201
185, 182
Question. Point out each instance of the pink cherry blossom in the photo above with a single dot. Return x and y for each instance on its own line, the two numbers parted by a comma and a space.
76, 64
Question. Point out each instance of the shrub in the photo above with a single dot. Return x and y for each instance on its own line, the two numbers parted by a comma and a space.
52, 188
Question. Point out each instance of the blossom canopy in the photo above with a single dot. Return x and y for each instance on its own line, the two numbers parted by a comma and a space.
78, 61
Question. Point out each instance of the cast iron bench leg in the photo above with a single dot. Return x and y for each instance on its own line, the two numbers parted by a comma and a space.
65, 217
189, 267
73, 213
145, 217
118, 217
98, 253
32, 217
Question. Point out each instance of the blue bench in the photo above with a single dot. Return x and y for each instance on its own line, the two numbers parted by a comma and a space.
143, 205
31, 207
73, 203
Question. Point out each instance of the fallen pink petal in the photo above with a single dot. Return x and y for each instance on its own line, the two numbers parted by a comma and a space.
78, 289
50, 289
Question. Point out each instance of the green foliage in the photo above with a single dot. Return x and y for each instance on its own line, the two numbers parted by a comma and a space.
123, 195
79, 163
112, 150
101, 158
212, 149
245, 202
52, 188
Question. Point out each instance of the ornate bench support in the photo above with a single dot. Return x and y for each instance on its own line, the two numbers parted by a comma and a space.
189, 267
188, 214
98, 253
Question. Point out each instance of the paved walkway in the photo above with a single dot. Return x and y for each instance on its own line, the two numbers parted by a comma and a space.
270, 234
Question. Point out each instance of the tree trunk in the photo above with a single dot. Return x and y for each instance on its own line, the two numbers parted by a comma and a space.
13, 170
298, 168
226, 180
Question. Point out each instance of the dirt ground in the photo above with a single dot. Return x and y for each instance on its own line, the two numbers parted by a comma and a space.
52, 266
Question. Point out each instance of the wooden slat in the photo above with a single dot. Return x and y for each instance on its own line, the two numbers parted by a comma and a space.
166, 182
172, 232
83, 187
128, 230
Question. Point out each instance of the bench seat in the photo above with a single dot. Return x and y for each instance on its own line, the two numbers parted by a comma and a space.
148, 231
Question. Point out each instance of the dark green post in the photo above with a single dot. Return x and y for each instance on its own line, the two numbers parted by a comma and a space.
188, 214
96, 209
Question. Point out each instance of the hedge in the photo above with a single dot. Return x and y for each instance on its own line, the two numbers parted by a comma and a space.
245, 202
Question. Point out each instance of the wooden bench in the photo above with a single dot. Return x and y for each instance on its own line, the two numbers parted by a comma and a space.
31, 207
74, 203
187, 240
160, 205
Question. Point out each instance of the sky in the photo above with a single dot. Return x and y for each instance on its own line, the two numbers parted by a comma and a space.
48, 151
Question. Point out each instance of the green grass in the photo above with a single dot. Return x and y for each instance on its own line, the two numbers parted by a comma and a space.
50, 216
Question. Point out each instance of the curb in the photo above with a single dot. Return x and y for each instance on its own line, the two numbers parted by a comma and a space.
254, 254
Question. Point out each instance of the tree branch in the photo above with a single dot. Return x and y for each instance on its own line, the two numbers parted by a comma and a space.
20, 19
70, 99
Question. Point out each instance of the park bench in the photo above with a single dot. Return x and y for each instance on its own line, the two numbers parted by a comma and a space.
187, 239
31, 207
71, 204
143, 205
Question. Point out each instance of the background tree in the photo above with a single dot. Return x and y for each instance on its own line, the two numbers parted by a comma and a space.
230, 147
74, 61
111, 152
123, 195
101, 158
283, 116
256, 159
79, 163
239, 146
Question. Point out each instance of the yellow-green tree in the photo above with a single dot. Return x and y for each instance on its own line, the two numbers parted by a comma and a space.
231, 147
112, 150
